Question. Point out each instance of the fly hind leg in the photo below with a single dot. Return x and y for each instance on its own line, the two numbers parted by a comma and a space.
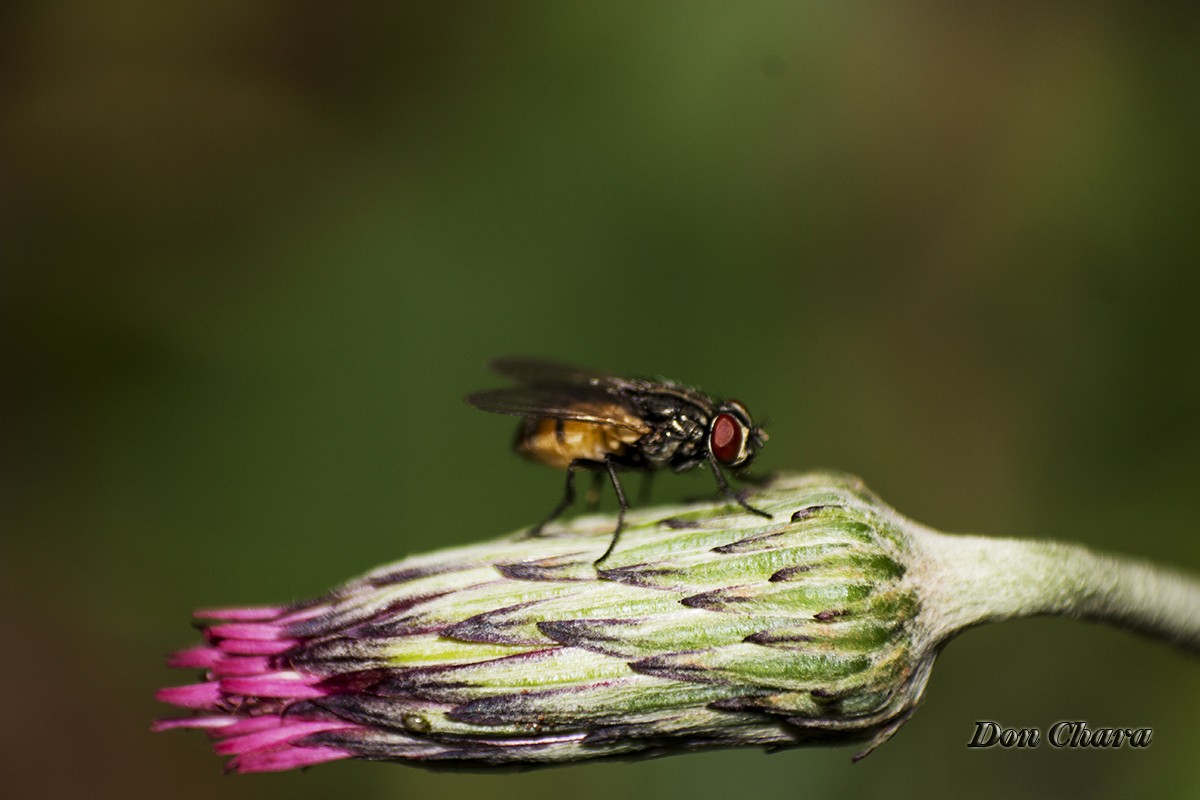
592, 499
567, 499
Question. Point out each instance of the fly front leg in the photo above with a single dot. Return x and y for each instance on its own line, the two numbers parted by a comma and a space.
730, 493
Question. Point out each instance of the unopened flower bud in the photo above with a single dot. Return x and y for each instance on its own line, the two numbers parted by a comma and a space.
706, 627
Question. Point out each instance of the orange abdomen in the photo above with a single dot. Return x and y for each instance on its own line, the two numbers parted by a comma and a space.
558, 442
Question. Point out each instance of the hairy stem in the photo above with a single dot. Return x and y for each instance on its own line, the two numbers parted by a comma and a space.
969, 580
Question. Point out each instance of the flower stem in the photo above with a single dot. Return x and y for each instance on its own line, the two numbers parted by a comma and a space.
969, 580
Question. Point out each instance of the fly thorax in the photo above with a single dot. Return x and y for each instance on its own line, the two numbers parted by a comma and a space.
674, 439
658, 446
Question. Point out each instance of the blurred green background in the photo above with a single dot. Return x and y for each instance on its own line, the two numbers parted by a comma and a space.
252, 254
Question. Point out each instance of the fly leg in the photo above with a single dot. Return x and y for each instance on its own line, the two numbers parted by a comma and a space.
567, 499
616, 482
730, 493
593, 495
644, 489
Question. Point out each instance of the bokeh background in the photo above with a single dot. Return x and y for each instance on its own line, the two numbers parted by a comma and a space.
252, 254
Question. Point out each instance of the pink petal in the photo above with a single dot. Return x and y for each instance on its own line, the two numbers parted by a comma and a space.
300, 616
285, 733
285, 758
247, 614
246, 630
191, 722
245, 725
241, 614
289, 685
255, 647
240, 666
195, 658
196, 695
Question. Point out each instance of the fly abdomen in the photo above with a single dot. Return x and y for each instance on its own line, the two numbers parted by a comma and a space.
558, 442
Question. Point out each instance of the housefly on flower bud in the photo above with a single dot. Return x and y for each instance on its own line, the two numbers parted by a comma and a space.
577, 419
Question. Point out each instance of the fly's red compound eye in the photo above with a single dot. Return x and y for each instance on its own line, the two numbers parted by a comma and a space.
725, 441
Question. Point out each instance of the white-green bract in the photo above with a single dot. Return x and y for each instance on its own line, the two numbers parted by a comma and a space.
707, 627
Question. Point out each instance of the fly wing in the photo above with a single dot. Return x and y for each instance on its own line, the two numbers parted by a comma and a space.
582, 403
540, 371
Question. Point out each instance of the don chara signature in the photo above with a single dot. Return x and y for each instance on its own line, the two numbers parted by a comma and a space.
1072, 734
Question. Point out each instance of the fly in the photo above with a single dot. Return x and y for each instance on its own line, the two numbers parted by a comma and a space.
575, 418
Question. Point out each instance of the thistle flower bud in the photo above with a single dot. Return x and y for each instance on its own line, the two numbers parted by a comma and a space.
706, 627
